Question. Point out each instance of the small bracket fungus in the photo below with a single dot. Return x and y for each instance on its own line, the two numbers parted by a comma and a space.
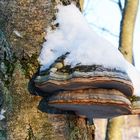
92, 103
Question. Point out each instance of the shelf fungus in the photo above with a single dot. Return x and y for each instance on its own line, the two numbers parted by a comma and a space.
69, 80
89, 91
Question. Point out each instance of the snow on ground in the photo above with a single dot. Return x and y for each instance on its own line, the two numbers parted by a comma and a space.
85, 46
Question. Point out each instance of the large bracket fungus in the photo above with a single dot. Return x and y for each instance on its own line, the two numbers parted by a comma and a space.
98, 93
77, 74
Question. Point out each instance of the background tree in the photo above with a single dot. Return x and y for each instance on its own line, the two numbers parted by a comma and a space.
22, 25
114, 127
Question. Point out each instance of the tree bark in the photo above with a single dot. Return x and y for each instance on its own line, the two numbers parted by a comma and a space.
23, 23
114, 127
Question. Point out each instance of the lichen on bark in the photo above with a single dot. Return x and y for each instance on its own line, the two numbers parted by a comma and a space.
6, 69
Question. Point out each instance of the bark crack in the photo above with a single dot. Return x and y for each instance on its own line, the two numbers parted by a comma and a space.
30, 133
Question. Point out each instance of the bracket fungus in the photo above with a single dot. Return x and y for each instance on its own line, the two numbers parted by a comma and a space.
83, 72
89, 92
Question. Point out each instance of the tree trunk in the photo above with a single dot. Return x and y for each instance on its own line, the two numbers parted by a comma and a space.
23, 23
114, 127
127, 28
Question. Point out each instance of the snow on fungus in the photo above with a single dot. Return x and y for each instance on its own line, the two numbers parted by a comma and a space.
84, 45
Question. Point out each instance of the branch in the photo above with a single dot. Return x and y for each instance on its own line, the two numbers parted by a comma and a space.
127, 28
119, 4
104, 29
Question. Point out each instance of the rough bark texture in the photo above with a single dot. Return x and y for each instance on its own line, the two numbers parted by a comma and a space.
23, 23
114, 127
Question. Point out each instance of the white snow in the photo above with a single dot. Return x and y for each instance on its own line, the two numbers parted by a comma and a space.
2, 114
17, 33
74, 35
86, 47
134, 75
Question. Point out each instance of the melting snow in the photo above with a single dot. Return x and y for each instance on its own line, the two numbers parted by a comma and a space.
85, 46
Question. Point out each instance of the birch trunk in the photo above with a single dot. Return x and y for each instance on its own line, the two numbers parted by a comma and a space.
114, 127
127, 28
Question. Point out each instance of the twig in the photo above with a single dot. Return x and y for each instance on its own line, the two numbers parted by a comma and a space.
104, 29
119, 4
